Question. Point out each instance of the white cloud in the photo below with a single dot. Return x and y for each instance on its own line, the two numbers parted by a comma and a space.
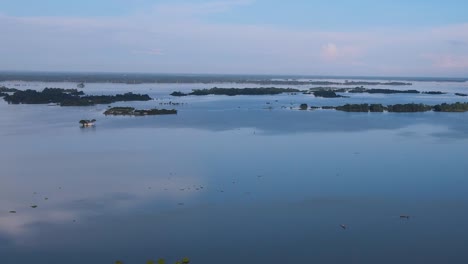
329, 52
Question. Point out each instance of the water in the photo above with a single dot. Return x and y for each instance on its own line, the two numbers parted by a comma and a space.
228, 181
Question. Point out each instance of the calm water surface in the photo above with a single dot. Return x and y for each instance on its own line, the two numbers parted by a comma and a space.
229, 181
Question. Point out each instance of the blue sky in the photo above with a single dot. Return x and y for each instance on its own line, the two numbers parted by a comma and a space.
406, 38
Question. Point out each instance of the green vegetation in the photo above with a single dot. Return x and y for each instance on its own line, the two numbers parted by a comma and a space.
4, 89
178, 93
326, 94
361, 89
353, 108
239, 91
409, 108
328, 107
69, 97
456, 107
303, 107
399, 108
381, 91
375, 83
377, 108
434, 92
134, 112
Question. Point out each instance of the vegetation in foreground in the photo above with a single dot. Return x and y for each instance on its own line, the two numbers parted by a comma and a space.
239, 91
69, 97
130, 111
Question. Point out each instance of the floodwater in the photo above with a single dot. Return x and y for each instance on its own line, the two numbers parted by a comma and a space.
234, 180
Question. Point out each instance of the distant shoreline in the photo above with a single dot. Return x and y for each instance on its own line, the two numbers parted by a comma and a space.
140, 78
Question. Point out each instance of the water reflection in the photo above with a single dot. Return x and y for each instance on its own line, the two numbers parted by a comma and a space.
218, 183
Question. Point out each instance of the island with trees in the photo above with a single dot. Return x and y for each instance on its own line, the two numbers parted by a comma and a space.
361, 89
87, 123
239, 91
327, 94
130, 111
69, 97
397, 108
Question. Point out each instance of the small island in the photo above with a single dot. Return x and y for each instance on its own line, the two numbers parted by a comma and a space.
69, 97
326, 94
87, 123
461, 94
434, 92
239, 91
130, 111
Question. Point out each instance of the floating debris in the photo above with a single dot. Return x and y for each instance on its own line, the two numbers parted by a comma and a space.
343, 226
12, 212
33, 206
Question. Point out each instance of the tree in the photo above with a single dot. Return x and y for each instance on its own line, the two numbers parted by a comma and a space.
303, 107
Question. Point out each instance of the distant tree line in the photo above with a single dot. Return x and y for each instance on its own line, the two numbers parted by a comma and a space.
238, 91
68, 97
135, 112
398, 108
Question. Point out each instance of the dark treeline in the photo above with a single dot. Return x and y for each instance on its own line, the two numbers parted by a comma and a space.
69, 97
239, 91
324, 94
135, 112
397, 108
436, 92
361, 89
4, 89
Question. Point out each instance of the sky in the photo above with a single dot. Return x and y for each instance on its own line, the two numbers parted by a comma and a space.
334, 37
